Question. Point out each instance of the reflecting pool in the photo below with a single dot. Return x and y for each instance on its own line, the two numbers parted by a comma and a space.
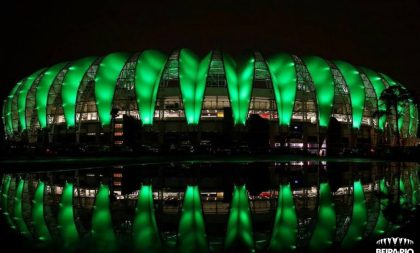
294, 206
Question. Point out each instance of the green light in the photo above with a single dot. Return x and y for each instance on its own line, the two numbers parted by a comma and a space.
285, 229
412, 119
239, 232
18, 212
356, 90
66, 222
403, 197
358, 219
38, 219
70, 87
8, 119
414, 189
43, 90
103, 235
5, 200
239, 77
145, 231
382, 223
193, 77
192, 233
283, 76
105, 82
378, 86
323, 235
324, 85
149, 70
23, 92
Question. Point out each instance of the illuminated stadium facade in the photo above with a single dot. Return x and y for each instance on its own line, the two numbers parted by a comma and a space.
183, 93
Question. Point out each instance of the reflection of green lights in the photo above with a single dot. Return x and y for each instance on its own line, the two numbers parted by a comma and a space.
239, 77
5, 200
323, 235
324, 85
106, 79
23, 92
145, 231
149, 70
192, 232
283, 75
382, 223
285, 229
193, 77
103, 235
359, 217
38, 219
378, 86
66, 222
356, 90
239, 232
42, 92
70, 87
18, 212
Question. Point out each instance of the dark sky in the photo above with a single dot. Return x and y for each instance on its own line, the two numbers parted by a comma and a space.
382, 35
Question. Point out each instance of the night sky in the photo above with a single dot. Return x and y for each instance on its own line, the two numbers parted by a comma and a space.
382, 35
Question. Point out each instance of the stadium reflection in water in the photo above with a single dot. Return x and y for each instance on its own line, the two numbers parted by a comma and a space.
211, 207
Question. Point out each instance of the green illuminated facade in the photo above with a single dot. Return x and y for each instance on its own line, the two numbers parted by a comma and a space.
194, 89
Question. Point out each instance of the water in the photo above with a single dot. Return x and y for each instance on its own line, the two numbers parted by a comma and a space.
211, 207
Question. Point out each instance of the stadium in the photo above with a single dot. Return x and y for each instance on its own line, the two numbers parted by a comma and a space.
151, 97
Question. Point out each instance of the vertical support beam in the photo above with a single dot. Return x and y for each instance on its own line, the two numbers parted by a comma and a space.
70, 87
41, 96
105, 82
193, 78
149, 71
239, 77
283, 75
5, 200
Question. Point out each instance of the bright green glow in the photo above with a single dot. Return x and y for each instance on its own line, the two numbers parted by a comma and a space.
284, 237
145, 231
283, 75
38, 219
239, 77
105, 82
23, 92
43, 90
323, 235
5, 200
102, 230
192, 233
412, 119
9, 120
66, 222
403, 197
359, 217
324, 85
239, 228
70, 87
18, 212
378, 86
356, 90
149, 70
414, 189
382, 223
193, 77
